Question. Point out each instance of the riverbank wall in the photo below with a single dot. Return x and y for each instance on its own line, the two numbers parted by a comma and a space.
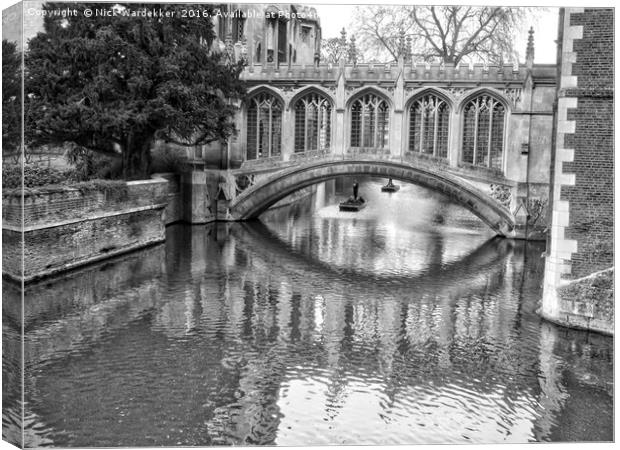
586, 303
46, 231
578, 285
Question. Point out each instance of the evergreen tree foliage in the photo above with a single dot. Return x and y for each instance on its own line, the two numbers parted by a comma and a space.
11, 99
116, 83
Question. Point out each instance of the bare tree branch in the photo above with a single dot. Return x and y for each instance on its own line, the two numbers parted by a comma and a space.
438, 33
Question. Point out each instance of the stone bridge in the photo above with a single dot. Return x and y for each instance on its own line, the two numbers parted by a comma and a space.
479, 134
488, 198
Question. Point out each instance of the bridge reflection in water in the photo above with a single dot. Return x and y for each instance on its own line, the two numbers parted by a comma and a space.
277, 334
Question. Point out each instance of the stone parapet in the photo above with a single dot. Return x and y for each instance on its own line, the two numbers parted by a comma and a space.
329, 73
62, 228
46, 207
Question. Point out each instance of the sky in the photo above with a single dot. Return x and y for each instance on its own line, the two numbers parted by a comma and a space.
336, 14
334, 17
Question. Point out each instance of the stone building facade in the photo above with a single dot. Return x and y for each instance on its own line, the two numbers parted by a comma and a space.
580, 257
278, 34
494, 122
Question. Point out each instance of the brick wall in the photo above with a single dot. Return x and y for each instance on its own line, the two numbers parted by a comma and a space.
65, 228
591, 197
578, 287
595, 50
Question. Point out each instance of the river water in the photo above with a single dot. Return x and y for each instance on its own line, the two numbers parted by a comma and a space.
404, 323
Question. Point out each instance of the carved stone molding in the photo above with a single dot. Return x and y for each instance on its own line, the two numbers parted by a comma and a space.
514, 95
457, 91
502, 194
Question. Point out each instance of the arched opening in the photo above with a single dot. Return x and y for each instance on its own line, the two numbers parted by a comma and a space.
429, 126
313, 117
370, 117
253, 201
264, 126
484, 119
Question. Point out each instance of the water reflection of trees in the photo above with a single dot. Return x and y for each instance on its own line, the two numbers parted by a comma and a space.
239, 320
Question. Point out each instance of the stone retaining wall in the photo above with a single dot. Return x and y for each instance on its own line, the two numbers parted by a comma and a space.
587, 303
174, 209
64, 227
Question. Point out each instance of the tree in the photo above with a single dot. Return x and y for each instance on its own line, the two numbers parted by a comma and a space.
116, 83
334, 49
450, 34
11, 99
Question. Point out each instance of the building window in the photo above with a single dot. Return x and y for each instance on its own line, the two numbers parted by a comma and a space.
428, 126
313, 114
238, 25
221, 23
370, 117
306, 34
264, 126
282, 42
483, 132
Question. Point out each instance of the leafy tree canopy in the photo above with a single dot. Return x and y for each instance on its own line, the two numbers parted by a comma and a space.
116, 83
11, 98
449, 34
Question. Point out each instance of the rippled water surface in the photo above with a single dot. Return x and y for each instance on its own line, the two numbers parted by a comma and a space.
400, 324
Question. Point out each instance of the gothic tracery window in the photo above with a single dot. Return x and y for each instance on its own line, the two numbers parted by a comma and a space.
264, 128
483, 132
313, 123
238, 26
429, 118
370, 116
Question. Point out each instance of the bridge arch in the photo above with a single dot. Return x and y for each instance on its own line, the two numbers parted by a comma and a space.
257, 198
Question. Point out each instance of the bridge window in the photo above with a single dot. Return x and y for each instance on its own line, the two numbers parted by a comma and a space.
483, 132
264, 126
428, 126
313, 115
370, 117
